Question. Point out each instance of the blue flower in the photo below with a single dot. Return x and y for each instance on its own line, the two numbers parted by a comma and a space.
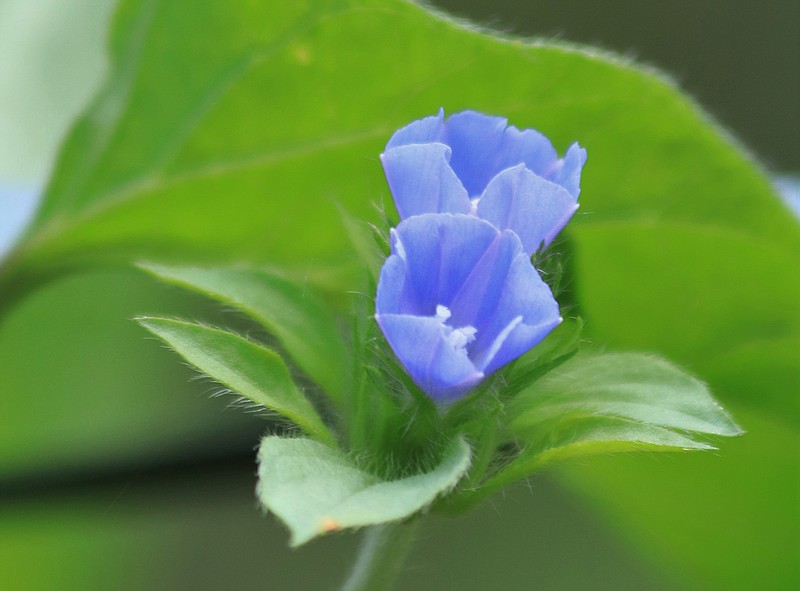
471, 163
457, 299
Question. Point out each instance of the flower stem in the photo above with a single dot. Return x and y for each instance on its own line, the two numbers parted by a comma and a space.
381, 556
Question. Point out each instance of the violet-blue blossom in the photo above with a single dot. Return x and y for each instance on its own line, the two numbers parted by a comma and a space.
475, 164
458, 299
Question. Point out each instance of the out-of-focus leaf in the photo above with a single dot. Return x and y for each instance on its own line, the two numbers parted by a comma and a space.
722, 520
694, 293
85, 391
51, 63
249, 369
315, 489
765, 375
234, 149
291, 312
723, 303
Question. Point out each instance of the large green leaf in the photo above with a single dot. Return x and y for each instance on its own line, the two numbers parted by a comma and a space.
292, 313
84, 390
697, 294
725, 520
249, 369
186, 135
316, 489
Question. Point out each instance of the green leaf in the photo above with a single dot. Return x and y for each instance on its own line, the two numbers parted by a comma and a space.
697, 295
704, 517
238, 149
630, 386
84, 391
578, 436
291, 312
251, 370
603, 403
315, 489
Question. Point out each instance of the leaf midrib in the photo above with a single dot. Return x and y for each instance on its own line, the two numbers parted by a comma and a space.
152, 181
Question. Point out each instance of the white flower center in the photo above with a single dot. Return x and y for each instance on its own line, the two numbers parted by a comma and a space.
458, 338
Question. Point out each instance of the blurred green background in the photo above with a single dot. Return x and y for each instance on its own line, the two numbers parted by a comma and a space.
119, 471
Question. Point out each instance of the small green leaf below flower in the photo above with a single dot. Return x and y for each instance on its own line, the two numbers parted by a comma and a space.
303, 325
315, 489
255, 372
600, 403
603, 403
633, 386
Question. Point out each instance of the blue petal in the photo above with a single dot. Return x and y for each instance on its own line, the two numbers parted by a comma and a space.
458, 299
534, 150
478, 294
521, 339
440, 368
422, 131
524, 313
422, 181
439, 252
507, 302
528, 147
483, 146
569, 174
475, 139
532, 207
394, 291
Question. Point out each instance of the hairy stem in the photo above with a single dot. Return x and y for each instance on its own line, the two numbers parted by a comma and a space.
381, 555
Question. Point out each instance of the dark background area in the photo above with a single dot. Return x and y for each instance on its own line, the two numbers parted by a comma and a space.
740, 59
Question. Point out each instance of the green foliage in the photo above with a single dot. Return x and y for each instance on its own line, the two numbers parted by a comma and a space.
629, 386
171, 152
198, 152
85, 390
315, 489
600, 403
249, 369
557, 407
710, 297
291, 312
